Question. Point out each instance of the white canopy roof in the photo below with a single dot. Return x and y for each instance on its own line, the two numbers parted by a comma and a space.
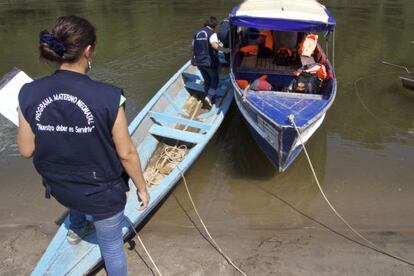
290, 10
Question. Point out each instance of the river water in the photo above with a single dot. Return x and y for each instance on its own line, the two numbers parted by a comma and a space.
269, 223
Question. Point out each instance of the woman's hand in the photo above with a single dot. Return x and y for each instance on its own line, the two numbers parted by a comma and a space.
144, 197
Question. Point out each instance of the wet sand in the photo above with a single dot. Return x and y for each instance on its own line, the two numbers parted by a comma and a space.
268, 247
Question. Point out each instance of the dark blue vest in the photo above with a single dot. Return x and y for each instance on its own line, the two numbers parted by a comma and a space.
204, 54
72, 118
224, 32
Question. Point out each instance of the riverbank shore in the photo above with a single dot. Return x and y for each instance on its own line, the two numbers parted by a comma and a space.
280, 241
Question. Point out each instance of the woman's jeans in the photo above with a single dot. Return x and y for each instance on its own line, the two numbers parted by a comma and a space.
110, 240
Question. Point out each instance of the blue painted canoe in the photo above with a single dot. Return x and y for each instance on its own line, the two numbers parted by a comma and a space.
267, 112
159, 123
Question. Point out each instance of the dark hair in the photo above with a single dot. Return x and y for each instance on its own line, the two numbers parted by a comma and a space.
211, 22
67, 39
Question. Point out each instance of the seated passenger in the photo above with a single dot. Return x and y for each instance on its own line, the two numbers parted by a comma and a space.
305, 83
265, 44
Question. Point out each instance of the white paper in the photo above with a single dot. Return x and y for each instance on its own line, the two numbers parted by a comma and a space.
9, 96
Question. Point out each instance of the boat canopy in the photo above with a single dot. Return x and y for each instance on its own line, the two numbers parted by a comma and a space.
283, 15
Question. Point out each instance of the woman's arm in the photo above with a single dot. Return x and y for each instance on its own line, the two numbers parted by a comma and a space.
128, 155
25, 137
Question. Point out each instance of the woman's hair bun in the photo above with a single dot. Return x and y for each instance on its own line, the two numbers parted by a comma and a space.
67, 39
51, 48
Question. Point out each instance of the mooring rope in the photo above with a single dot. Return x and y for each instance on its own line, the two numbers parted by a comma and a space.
366, 107
205, 227
174, 155
396, 65
143, 246
378, 249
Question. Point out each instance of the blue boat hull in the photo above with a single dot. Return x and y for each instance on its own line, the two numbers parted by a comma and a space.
279, 142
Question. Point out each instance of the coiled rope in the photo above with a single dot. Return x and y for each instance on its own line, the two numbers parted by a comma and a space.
378, 249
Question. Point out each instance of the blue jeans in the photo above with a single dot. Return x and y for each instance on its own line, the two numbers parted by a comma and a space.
110, 240
211, 79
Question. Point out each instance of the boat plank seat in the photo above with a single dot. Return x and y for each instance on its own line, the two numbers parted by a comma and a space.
307, 60
182, 121
176, 134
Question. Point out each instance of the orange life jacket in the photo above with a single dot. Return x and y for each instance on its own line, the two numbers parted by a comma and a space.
249, 50
268, 39
308, 45
242, 83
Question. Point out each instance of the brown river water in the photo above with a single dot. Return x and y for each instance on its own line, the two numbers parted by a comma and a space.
269, 223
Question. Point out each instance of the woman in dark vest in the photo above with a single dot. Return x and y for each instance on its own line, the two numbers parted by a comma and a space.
76, 130
205, 46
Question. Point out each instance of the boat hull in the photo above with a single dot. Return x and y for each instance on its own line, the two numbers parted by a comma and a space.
280, 144
408, 82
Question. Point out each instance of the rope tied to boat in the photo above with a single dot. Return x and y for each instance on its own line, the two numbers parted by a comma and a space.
143, 246
291, 119
174, 155
218, 248
396, 65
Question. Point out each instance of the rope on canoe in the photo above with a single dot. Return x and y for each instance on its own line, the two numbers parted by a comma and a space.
143, 246
378, 249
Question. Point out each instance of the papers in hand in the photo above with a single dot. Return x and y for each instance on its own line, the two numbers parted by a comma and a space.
10, 86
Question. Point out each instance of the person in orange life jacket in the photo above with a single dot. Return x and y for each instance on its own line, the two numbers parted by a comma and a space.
205, 45
76, 130
309, 79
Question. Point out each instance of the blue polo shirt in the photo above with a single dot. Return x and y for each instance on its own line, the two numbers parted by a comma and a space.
72, 118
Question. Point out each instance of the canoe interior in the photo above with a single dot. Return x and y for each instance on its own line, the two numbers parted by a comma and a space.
187, 104
174, 117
